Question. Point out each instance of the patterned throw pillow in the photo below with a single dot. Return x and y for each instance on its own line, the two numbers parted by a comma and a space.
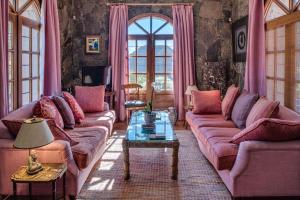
206, 102
263, 108
65, 112
269, 129
45, 108
58, 133
76, 109
229, 100
90, 99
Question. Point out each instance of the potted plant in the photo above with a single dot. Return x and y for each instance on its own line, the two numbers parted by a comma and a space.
149, 115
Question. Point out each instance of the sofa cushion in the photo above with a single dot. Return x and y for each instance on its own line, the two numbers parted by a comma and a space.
229, 100
76, 109
90, 99
221, 153
65, 111
106, 118
45, 108
263, 108
242, 107
91, 140
206, 102
268, 129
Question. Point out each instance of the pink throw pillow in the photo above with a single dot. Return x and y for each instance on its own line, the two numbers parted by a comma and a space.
263, 108
90, 99
76, 109
45, 108
229, 100
269, 129
206, 102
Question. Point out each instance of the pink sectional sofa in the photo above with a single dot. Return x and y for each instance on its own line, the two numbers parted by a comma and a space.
253, 168
92, 135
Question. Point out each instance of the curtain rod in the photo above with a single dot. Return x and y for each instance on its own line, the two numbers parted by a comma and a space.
149, 4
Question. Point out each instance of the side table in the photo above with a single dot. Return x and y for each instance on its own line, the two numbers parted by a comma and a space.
50, 174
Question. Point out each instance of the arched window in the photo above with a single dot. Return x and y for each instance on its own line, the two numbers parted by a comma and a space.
24, 52
150, 46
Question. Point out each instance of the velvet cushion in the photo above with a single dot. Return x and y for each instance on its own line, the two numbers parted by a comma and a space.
263, 108
206, 102
242, 107
269, 129
90, 99
59, 134
229, 100
65, 111
45, 108
75, 107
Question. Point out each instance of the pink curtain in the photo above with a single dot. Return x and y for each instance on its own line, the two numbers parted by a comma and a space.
255, 74
52, 63
118, 54
184, 66
3, 58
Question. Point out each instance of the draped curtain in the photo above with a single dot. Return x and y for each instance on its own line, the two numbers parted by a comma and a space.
3, 58
184, 66
255, 74
118, 54
51, 52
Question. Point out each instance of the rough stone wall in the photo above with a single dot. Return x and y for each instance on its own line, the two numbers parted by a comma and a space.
213, 52
237, 71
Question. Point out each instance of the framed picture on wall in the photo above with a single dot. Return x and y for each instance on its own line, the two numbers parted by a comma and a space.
92, 44
239, 39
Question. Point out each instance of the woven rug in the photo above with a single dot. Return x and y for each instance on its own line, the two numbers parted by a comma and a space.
150, 174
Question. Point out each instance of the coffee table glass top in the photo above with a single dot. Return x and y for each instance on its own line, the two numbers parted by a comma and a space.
163, 127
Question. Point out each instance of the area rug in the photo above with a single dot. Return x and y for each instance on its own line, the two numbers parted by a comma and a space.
151, 171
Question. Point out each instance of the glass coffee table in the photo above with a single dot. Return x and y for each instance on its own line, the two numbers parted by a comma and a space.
160, 136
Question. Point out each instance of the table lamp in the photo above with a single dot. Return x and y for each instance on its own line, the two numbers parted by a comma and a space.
188, 92
33, 133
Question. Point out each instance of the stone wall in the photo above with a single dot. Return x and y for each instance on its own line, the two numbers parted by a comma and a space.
213, 52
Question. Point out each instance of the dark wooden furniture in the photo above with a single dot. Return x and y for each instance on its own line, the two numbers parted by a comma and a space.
109, 98
50, 174
136, 137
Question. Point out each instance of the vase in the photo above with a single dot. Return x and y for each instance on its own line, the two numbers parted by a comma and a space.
149, 117
172, 115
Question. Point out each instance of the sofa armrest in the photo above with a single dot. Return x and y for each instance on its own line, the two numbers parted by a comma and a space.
264, 167
106, 106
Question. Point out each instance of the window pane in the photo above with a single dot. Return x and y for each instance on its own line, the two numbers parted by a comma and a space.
31, 13
141, 65
10, 66
35, 40
25, 99
132, 78
25, 71
270, 40
280, 38
10, 35
169, 65
280, 72
166, 30
157, 23
35, 89
169, 47
280, 92
286, 3
11, 96
132, 65
25, 86
142, 48
12, 2
21, 3
159, 48
274, 12
35, 65
169, 85
25, 59
270, 89
160, 82
298, 35
297, 100
159, 65
132, 47
145, 23
297, 61
133, 29
270, 65
25, 43
25, 31
142, 80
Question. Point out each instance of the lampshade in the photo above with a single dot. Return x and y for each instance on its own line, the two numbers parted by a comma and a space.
33, 133
190, 88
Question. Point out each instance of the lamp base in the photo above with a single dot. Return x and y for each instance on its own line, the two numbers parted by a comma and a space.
34, 170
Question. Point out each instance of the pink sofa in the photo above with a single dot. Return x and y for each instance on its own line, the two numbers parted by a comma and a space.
92, 135
254, 168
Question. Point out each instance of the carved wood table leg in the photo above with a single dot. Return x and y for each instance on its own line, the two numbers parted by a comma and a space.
175, 161
126, 160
